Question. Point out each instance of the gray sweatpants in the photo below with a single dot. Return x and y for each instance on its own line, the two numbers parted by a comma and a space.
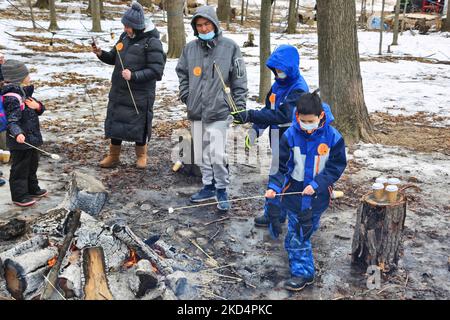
210, 151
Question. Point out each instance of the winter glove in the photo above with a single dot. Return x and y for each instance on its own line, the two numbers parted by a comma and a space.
250, 138
241, 116
274, 212
305, 224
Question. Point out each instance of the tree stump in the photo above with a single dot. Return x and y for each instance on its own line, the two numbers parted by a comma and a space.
378, 232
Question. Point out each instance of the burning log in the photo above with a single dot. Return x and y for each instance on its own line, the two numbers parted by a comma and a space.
181, 261
93, 233
144, 278
96, 283
144, 251
70, 281
85, 193
24, 274
34, 244
73, 221
378, 232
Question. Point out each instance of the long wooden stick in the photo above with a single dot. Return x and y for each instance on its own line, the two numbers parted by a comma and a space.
226, 89
51, 155
128, 83
231, 200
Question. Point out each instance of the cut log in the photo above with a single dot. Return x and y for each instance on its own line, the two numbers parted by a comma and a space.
166, 249
94, 233
24, 274
34, 244
85, 193
186, 155
73, 221
144, 278
378, 233
96, 283
143, 251
181, 261
70, 281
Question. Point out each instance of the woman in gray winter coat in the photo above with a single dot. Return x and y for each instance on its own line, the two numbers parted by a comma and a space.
143, 60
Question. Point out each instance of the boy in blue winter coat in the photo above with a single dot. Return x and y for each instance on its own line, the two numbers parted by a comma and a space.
281, 102
312, 159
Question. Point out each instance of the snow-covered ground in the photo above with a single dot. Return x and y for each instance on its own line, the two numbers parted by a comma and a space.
396, 86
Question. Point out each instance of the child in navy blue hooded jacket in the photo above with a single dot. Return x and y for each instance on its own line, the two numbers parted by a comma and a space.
22, 113
281, 102
312, 159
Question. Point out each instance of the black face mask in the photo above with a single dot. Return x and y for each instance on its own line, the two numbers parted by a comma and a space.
29, 90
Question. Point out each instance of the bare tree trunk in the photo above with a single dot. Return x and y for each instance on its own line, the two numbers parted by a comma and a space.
224, 10
404, 17
53, 24
42, 4
246, 10
145, 3
96, 18
31, 14
446, 24
396, 24
242, 11
292, 18
338, 65
175, 27
274, 5
380, 48
264, 51
89, 9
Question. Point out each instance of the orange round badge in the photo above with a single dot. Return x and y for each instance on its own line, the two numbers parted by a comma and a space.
322, 149
197, 71
272, 98
119, 46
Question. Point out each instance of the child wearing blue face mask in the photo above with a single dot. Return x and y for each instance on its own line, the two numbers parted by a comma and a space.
312, 158
281, 102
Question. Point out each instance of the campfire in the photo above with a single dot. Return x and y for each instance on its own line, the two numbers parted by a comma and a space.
73, 255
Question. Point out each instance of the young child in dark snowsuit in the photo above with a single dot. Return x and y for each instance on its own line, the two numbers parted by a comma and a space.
281, 102
312, 159
22, 113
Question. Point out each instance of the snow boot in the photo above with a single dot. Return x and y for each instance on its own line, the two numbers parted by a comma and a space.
112, 159
141, 155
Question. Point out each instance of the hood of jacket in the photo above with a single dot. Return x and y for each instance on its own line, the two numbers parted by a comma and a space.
209, 13
287, 59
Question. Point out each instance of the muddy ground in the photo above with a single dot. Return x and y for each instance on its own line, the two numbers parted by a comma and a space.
141, 198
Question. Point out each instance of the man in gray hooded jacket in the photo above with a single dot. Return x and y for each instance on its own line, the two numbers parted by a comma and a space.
201, 68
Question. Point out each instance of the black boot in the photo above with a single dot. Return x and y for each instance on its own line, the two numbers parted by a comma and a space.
298, 283
261, 221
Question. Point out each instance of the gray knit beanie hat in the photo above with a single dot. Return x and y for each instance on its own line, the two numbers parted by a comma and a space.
134, 17
14, 71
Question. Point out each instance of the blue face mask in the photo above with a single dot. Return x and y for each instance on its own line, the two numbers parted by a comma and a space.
308, 126
281, 75
207, 36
